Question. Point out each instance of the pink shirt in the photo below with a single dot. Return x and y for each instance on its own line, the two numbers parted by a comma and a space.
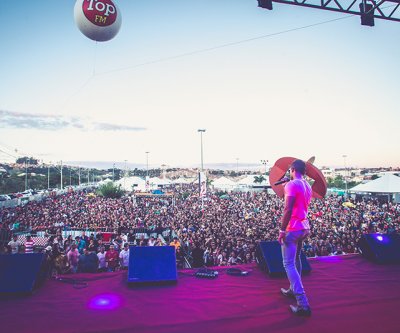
301, 190
73, 257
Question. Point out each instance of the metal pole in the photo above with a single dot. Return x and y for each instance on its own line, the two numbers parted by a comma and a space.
147, 163
113, 170
345, 172
264, 162
202, 165
79, 175
237, 165
201, 146
61, 175
26, 173
48, 176
125, 176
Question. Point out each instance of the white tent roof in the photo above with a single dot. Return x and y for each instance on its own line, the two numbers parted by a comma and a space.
127, 182
386, 184
223, 181
182, 180
104, 181
159, 181
249, 181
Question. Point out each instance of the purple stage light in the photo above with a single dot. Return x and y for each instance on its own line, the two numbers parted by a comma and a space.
105, 302
383, 239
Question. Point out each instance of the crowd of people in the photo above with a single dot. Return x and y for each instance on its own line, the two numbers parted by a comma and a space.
215, 231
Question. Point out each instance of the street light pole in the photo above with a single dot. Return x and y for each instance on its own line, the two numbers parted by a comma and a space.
113, 170
61, 175
237, 164
345, 172
26, 173
48, 175
202, 167
125, 175
264, 162
201, 146
147, 163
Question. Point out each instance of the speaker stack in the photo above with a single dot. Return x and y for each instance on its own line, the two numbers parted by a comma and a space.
380, 248
269, 258
152, 265
21, 273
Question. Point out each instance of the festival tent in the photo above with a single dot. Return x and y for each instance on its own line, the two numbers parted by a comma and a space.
249, 181
104, 181
179, 181
224, 184
155, 182
387, 184
131, 183
182, 180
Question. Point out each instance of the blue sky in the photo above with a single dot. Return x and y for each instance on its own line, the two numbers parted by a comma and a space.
295, 82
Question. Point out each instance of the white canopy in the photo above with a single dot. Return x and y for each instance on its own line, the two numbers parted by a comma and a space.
249, 181
388, 183
182, 180
104, 181
129, 183
158, 181
224, 183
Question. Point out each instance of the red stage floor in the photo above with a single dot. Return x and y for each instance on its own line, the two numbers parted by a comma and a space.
347, 294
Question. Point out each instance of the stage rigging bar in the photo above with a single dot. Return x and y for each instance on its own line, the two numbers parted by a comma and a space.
368, 10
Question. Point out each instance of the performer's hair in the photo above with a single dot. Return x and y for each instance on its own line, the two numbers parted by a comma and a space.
299, 166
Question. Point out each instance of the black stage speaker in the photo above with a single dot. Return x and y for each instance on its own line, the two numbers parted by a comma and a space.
380, 248
269, 258
152, 265
21, 273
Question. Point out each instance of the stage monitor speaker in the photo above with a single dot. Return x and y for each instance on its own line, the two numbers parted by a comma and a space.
380, 248
21, 273
152, 265
269, 258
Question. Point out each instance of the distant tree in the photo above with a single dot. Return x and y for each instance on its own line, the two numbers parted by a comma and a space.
259, 179
28, 160
109, 190
12, 184
337, 182
352, 184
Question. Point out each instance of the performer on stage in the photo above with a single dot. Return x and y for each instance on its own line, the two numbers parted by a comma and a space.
294, 229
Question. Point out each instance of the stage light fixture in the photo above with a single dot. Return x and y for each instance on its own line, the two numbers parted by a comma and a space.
266, 4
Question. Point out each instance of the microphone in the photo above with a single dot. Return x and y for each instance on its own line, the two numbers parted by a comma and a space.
282, 181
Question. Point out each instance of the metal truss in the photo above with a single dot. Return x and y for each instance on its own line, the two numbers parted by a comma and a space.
367, 9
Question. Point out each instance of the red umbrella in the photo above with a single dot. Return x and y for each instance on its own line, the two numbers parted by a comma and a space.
281, 167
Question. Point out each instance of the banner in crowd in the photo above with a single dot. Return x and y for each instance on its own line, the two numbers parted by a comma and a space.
202, 184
